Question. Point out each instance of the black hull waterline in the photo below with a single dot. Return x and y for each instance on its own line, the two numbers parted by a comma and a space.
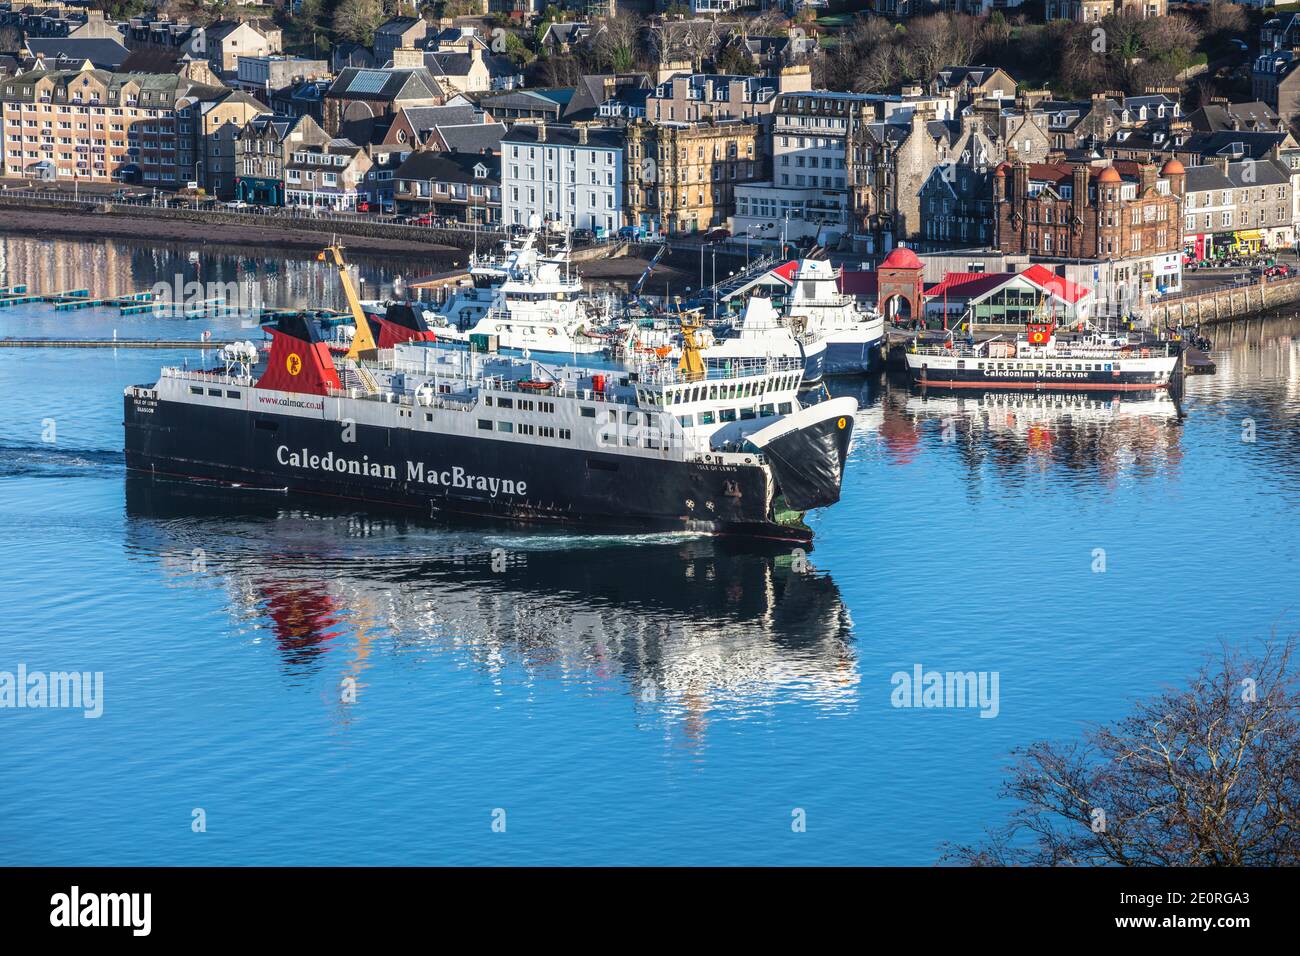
458, 475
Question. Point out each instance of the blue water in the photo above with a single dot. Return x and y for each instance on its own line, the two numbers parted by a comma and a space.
651, 700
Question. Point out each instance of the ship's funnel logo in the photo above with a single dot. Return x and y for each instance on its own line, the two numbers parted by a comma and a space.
293, 363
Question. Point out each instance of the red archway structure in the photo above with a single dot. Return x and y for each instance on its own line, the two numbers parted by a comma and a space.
899, 276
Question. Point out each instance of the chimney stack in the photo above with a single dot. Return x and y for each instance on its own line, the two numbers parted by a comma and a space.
1146, 177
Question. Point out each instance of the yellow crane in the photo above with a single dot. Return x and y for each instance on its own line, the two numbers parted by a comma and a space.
362, 341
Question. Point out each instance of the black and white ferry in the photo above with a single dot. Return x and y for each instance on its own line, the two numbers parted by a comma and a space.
666, 446
1040, 359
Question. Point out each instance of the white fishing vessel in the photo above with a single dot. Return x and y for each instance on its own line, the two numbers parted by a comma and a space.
817, 309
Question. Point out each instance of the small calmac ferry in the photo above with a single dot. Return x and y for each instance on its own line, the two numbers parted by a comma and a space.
1043, 358
669, 445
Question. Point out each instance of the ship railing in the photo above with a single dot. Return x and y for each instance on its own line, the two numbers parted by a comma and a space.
716, 370
1024, 353
404, 399
213, 376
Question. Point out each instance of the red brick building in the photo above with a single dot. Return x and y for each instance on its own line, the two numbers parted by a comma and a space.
1073, 210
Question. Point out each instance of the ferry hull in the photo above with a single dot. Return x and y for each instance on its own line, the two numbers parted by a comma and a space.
852, 358
1094, 381
569, 486
943, 373
814, 367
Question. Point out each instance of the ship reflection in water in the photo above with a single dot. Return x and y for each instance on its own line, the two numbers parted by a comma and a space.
688, 627
1098, 434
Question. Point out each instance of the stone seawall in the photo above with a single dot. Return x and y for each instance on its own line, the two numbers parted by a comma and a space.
1224, 303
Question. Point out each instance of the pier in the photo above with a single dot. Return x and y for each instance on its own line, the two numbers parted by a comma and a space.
1223, 303
76, 299
115, 343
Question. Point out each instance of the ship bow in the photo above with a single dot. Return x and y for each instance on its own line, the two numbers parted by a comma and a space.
806, 452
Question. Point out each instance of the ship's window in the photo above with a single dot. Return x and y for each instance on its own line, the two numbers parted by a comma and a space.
487, 400
195, 390
505, 426
767, 411
428, 417
961, 363
525, 429
214, 392
713, 392
727, 415
266, 425
747, 414
565, 434
686, 420
547, 407
505, 403
706, 418
485, 424
783, 408
613, 414
595, 464
588, 412
231, 394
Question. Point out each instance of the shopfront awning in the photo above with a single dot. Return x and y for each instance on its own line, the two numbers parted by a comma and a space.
1249, 235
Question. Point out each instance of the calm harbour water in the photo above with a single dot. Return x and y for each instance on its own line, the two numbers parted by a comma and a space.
624, 700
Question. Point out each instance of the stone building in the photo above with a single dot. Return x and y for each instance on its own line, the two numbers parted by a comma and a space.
1125, 213
682, 176
263, 150
358, 94
691, 97
218, 121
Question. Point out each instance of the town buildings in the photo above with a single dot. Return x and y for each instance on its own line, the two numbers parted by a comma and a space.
98, 126
571, 176
681, 177
464, 187
263, 150
1126, 215
326, 176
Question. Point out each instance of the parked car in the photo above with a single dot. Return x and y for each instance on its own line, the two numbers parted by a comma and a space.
582, 235
717, 235
363, 205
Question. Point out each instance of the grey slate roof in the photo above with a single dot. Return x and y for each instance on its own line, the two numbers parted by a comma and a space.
359, 83
473, 137
103, 53
598, 138
432, 166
